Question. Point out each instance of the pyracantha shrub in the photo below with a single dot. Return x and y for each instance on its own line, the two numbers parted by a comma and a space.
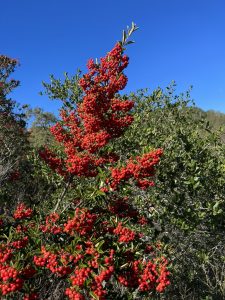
99, 250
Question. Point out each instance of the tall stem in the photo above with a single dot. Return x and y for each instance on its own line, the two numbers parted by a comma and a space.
63, 193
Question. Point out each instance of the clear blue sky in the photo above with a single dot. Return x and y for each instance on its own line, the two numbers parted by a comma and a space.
181, 40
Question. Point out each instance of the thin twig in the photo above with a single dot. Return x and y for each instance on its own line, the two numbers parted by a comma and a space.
63, 193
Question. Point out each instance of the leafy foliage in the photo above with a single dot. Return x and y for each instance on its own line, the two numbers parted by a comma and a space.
13, 137
187, 203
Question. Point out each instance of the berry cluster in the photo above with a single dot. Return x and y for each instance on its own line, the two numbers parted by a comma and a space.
9, 280
146, 275
73, 294
52, 262
125, 234
91, 277
80, 276
22, 212
50, 225
98, 119
55, 163
19, 244
5, 253
32, 296
140, 169
82, 222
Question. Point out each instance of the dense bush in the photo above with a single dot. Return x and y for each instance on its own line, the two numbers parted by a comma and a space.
13, 135
186, 205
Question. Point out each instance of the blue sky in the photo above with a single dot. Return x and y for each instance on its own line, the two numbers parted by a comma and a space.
181, 40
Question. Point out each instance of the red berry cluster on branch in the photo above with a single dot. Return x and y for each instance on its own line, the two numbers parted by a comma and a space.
22, 212
82, 222
125, 234
95, 121
141, 169
50, 225
9, 280
52, 262
145, 275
